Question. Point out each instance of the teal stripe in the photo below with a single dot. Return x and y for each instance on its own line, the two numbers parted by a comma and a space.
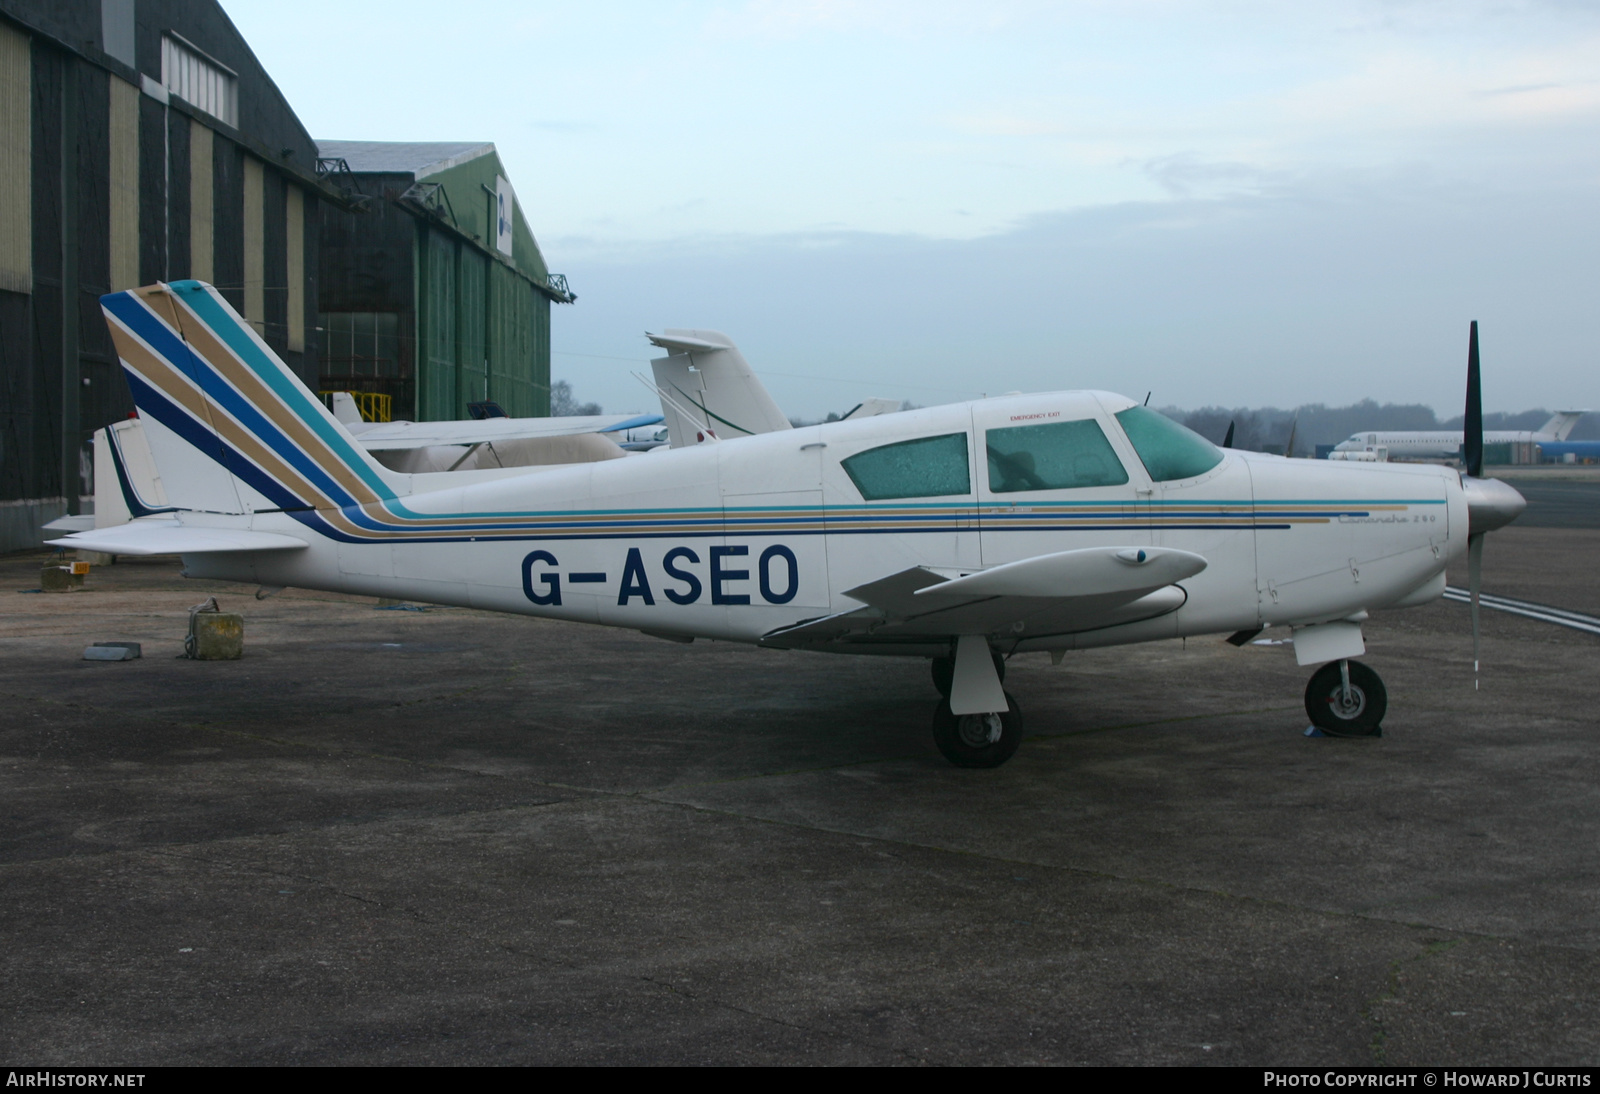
293, 393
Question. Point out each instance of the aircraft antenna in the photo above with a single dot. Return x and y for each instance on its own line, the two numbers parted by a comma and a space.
706, 429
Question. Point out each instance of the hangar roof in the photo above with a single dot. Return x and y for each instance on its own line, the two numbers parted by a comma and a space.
415, 158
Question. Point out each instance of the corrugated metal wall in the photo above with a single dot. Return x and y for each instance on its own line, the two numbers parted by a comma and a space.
512, 348
16, 193
483, 332
472, 370
294, 220
105, 187
124, 185
255, 274
436, 318
200, 203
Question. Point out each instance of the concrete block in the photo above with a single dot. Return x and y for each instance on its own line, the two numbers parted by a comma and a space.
60, 579
113, 651
218, 636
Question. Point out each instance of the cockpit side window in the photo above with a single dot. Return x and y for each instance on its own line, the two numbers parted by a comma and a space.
928, 467
1052, 456
1167, 449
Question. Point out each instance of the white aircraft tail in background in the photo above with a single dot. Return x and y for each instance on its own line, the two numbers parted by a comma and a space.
1561, 423
707, 387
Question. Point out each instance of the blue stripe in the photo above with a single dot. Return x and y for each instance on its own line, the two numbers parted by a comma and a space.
294, 394
160, 408
166, 344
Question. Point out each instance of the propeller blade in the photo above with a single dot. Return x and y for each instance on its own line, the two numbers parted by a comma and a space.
1472, 425
1227, 442
1294, 426
1475, 583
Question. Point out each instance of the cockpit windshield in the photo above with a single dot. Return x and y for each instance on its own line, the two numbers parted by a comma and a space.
1168, 450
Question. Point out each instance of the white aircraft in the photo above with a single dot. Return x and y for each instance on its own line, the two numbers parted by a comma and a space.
707, 387
959, 533
489, 443
1445, 444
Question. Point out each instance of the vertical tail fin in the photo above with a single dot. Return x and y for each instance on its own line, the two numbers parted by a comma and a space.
231, 429
1561, 423
705, 373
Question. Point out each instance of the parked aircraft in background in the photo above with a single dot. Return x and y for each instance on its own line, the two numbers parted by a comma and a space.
1445, 444
962, 533
491, 442
1569, 451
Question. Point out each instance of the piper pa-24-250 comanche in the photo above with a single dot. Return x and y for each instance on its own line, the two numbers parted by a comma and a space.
964, 533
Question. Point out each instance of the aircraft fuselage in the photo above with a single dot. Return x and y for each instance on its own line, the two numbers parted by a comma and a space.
735, 539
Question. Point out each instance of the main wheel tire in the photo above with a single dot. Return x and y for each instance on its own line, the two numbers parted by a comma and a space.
944, 671
1361, 716
978, 740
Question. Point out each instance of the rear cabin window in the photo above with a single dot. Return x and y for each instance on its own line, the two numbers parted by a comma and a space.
928, 467
1168, 450
1052, 456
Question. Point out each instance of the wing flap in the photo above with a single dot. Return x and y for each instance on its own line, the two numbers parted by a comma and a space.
169, 537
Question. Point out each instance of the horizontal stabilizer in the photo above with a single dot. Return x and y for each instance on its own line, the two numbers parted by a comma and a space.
683, 343
169, 537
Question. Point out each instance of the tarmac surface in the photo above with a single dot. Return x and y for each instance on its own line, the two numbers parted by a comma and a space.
1554, 503
446, 836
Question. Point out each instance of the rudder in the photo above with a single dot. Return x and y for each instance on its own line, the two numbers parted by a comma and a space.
208, 386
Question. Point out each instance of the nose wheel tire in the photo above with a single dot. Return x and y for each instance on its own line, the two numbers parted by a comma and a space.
978, 740
1338, 713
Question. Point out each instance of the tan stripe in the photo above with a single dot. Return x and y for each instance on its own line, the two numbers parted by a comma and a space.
165, 377
211, 348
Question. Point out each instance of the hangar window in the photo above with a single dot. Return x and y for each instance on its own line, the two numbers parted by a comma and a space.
197, 79
1167, 449
1052, 456
361, 343
928, 467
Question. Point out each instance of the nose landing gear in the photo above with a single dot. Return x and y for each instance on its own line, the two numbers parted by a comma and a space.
1346, 699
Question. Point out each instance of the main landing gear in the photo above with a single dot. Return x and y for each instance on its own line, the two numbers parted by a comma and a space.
944, 671
978, 740
1346, 699
969, 681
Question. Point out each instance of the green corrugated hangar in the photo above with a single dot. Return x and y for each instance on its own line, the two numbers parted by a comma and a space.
436, 294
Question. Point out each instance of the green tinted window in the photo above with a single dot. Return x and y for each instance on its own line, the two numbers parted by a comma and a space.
928, 467
1052, 456
1168, 450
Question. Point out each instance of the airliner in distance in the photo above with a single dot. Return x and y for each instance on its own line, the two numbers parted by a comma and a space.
1445, 444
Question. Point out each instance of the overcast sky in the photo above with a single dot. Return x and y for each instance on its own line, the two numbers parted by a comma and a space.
1225, 203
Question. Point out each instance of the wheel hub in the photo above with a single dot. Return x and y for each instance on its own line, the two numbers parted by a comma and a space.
1347, 705
979, 730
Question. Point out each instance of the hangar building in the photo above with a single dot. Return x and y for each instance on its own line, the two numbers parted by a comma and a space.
140, 140
435, 293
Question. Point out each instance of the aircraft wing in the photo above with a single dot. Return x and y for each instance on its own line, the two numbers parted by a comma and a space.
388, 436
1059, 593
169, 537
